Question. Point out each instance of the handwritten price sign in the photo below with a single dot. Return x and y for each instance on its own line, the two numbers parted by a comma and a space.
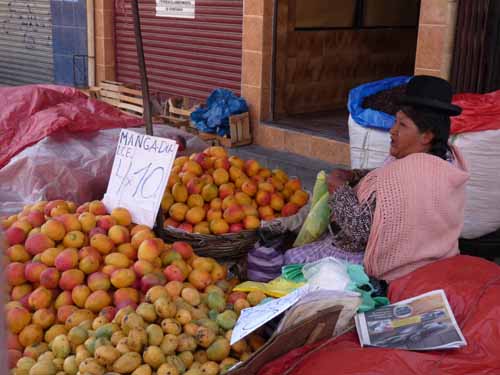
140, 174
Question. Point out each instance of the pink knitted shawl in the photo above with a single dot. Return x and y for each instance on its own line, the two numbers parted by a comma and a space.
419, 213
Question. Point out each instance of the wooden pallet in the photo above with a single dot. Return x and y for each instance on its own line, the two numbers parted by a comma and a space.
119, 95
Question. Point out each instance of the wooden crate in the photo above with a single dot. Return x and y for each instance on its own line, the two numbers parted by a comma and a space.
239, 131
177, 112
119, 95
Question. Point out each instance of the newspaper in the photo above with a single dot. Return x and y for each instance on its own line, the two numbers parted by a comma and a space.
425, 322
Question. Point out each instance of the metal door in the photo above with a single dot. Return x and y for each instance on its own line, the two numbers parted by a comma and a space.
185, 57
25, 42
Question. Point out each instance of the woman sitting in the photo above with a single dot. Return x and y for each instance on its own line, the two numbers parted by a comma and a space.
409, 212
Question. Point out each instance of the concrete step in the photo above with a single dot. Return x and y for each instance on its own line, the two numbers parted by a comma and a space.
294, 165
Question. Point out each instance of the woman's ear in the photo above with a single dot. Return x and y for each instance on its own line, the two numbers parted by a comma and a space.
426, 137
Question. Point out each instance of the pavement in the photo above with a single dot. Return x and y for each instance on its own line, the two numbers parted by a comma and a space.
294, 165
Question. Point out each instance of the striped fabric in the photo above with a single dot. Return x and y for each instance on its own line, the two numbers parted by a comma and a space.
264, 263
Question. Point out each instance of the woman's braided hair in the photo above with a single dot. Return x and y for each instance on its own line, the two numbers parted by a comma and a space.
437, 123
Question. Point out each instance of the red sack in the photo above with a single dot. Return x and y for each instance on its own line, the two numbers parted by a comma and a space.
30, 113
479, 112
472, 286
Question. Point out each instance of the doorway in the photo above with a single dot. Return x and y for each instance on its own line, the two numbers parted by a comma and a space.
324, 48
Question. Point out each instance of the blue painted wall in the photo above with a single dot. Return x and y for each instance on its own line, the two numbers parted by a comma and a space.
69, 36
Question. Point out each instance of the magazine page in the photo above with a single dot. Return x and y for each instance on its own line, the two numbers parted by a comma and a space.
425, 322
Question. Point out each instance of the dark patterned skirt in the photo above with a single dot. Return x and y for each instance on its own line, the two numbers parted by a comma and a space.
321, 249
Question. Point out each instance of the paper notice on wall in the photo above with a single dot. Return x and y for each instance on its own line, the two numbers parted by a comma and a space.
140, 174
175, 8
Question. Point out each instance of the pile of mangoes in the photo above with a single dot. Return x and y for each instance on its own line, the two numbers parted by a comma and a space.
212, 193
91, 292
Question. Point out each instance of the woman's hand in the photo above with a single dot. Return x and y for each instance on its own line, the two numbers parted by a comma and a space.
338, 177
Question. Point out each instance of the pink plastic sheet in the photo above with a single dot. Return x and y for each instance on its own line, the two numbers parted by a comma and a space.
472, 286
479, 112
71, 166
30, 113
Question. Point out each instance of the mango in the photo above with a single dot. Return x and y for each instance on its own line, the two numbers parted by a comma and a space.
200, 356
216, 302
69, 366
147, 312
165, 308
143, 370
106, 355
205, 322
81, 354
91, 366
191, 295
77, 336
219, 350
43, 368
227, 319
186, 343
156, 292
131, 321
154, 357
128, 362
78, 317
171, 326
169, 344
155, 334
167, 369
177, 363
255, 297
205, 336
90, 345
61, 346
136, 340
187, 358
106, 330
31, 334
210, 368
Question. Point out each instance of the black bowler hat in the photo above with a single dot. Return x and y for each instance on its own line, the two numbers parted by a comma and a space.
432, 93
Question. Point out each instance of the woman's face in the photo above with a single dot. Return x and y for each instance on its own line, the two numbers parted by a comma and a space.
406, 138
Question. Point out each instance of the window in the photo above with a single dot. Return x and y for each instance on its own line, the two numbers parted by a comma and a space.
390, 13
325, 13
332, 14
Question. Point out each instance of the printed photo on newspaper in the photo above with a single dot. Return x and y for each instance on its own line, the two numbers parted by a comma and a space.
425, 322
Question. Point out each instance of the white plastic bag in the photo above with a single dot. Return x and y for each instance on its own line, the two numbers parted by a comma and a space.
71, 166
369, 147
481, 151
328, 273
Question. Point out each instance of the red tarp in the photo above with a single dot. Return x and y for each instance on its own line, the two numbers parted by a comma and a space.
479, 112
472, 286
30, 113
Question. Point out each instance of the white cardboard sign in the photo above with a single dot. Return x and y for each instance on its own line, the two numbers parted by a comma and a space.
176, 8
140, 173
254, 317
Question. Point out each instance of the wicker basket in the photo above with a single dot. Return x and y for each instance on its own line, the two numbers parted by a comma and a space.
225, 247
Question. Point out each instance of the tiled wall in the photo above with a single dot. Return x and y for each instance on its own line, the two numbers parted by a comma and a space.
257, 57
104, 40
316, 69
436, 37
69, 30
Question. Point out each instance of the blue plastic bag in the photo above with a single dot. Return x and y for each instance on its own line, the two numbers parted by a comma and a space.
367, 117
214, 117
